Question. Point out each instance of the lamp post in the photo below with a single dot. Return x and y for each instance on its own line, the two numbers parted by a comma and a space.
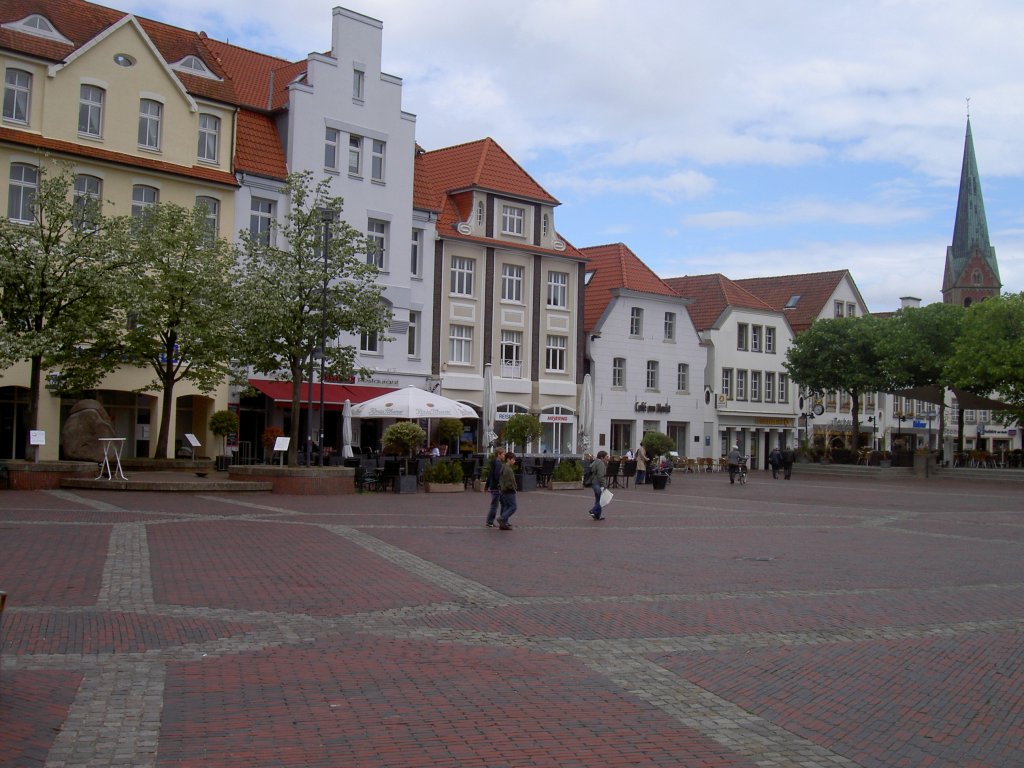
899, 433
874, 427
931, 415
328, 217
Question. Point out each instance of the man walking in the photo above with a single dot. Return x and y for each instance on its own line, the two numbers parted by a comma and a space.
735, 457
787, 462
493, 484
507, 486
598, 475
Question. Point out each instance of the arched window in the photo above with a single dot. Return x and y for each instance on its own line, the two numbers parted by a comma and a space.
21, 193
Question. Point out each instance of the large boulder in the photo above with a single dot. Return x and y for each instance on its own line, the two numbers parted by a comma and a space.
85, 425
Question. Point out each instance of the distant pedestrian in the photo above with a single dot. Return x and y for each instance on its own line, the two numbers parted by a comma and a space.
493, 483
598, 475
641, 465
735, 457
507, 485
775, 459
787, 462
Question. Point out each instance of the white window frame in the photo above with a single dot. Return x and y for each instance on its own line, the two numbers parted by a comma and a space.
91, 100
653, 371
727, 383
87, 189
369, 342
23, 186
769, 386
755, 386
636, 322
742, 336
332, 147
558, 289
741, 384
209, 138
769, 340
513, 220
143, 196
358, 84
683, 377
460, 344
212, 214
151, 114
378, 150
462, 274
413, 334
783, 388
17, 95
355, 155
670, 326
619, 372
377, 237
512, 282
511, 354
851, 309
416, 253
838, 308
555, 353
261, 219
756, 331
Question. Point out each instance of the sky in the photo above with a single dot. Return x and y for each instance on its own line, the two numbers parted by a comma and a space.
744, 137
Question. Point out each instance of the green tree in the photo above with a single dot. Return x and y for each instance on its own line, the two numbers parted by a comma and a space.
522, 429
841, 355
59, 275
988, 356
655, 444
916, 345
181, 323
284, 314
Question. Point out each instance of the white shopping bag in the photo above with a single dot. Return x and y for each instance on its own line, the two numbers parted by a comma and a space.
606, 497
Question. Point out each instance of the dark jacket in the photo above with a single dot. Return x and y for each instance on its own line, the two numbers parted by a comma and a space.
494, 475
598, 472
507, 483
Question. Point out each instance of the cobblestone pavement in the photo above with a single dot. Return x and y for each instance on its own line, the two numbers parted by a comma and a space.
816, 622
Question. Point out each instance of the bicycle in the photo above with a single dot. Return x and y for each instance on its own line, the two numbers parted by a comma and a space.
741, 473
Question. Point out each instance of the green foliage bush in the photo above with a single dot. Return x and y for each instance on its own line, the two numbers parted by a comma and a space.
567, 471
402, 438
443, 472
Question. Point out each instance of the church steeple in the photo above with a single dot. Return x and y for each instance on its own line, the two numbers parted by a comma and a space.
972, 273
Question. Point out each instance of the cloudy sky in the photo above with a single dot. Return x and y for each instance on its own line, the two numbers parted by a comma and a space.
743, 137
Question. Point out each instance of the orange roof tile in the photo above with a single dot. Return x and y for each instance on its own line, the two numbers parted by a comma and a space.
26, 139
259, 149
615, 266
814, 289
711, 296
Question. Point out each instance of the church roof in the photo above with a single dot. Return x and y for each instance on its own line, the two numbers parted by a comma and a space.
970, 230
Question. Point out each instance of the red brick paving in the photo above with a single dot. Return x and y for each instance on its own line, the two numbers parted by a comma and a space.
818, 622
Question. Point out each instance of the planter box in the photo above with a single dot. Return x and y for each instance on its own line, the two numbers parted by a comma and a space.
658, 481
444, 487
405, 484
565, 485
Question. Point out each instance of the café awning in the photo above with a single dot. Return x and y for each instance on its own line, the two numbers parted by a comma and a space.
964, 399
334, 395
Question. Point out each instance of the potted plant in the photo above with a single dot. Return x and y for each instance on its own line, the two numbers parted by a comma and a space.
267, 440
655, 444
401, 439
567, 475
222, 424
448, 432
443, 477
521, 430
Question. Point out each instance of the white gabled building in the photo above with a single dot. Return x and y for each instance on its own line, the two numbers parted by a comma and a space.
645, 356
749, 398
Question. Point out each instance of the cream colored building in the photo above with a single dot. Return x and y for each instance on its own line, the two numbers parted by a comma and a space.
140, 117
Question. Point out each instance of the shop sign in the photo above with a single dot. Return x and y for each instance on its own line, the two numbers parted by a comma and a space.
773, 421
643, 407
557, 418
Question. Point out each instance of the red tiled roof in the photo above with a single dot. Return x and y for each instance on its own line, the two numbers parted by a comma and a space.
814, 290
615, 266
34, 140
712, 295
259, 150
259, 80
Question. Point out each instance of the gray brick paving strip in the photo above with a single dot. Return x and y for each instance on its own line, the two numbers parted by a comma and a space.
115, 718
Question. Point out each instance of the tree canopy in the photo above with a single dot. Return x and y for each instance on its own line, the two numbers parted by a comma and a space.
285, 276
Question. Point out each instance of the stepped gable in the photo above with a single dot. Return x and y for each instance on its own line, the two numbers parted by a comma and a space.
711, 295
615, 266
813, 290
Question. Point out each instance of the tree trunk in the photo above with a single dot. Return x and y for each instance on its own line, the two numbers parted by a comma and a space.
293, 433
855, 418
166, 409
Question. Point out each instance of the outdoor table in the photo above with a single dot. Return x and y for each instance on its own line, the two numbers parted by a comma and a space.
112, 445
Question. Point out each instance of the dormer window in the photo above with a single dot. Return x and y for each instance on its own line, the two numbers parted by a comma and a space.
193, 65
39, 26
791, 304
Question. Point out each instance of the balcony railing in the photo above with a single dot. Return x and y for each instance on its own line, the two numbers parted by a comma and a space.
511, 369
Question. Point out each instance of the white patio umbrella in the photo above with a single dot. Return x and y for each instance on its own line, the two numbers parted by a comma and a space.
586, 413
412, 403
489, 406
346, 430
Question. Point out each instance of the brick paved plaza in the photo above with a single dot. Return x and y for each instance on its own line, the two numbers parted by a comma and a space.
817, 622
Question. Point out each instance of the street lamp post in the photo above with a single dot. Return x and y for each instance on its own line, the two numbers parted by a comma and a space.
931, 415
328, 217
